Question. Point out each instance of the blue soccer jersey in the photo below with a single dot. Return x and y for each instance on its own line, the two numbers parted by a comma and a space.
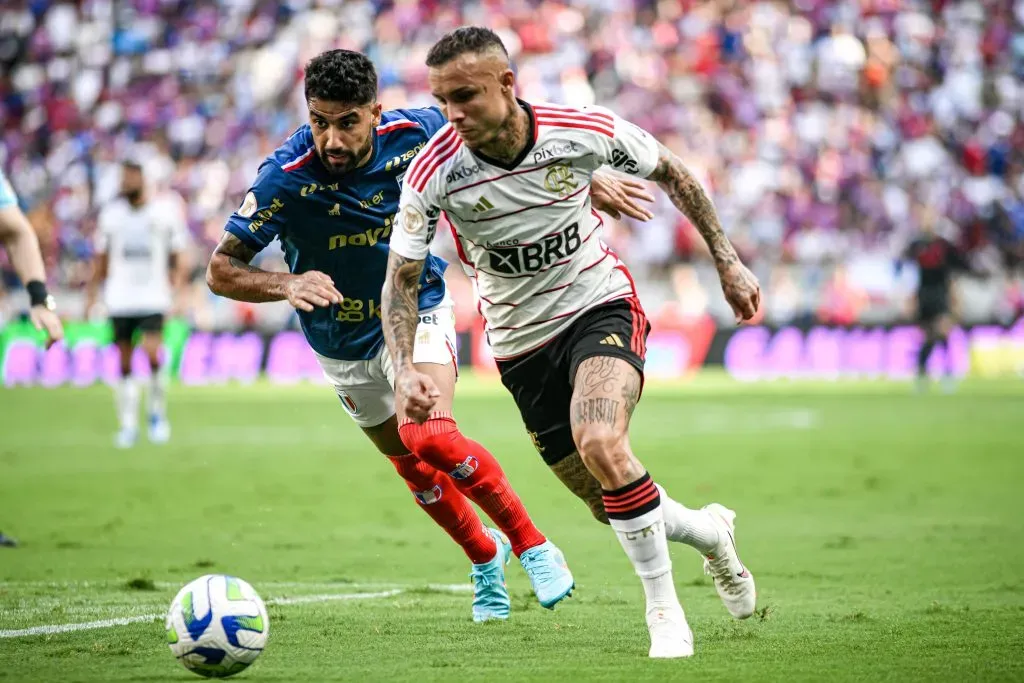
340, 225
7, 196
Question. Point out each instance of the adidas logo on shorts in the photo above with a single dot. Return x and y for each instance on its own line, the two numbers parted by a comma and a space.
613, 340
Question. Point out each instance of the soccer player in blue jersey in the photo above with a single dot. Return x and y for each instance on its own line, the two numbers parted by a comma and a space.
330, 194
19, 239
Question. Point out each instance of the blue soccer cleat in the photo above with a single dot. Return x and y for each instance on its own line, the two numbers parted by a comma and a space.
552, 581
490, 595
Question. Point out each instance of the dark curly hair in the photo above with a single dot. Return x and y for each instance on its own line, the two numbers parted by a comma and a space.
465, 39
341, 76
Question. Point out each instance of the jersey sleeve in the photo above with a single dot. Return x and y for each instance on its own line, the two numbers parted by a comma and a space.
261, 216
7, 195
180, 237
101, 240
631, 150
430, 118
418, 213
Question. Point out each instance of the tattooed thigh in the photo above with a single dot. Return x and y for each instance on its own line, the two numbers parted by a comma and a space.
605, 393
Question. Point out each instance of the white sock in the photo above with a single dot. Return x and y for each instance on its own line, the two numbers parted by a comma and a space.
683, 525
127, 393
643, 539
158, 394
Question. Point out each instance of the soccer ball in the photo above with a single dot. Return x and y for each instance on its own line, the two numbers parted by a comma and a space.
217, 625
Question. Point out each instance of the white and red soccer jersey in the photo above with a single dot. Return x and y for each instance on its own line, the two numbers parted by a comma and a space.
525, 231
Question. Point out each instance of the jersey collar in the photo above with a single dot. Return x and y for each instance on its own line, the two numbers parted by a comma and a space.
531, 140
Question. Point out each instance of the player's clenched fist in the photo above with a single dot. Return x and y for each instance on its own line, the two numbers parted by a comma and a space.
417, 394
742, 290
312, 288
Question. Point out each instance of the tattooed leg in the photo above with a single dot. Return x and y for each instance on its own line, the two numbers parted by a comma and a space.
605, 393
577, 478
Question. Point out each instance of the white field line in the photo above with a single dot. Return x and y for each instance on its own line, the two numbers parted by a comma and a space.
50, 629
106, 583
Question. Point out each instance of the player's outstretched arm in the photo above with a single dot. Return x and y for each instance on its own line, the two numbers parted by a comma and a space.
17, 235
231, 274
415, 392
741, 288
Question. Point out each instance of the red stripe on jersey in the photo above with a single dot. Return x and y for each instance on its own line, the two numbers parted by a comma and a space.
300, 162
605, 121
505, 175
458, 246
637, 343
546, 291
426, 163
556, 317
559, 123
428, 153
533, 206
442, 157
395, 125
573, 111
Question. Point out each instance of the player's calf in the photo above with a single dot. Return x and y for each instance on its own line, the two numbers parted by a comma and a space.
126, 393
486, 548
604, 394
478, 475
159, 426
475, 472
446, 506
573, 473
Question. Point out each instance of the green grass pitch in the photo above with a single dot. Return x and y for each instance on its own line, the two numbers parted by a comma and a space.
885, 529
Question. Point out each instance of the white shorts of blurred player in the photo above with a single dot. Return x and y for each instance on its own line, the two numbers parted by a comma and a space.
366, 387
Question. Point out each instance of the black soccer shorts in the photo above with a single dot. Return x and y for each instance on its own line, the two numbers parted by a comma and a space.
125, 326
932, 304
541, 381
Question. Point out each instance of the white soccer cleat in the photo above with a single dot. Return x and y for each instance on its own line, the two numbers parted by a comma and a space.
125, 437
671, 637
159, 429
733, 581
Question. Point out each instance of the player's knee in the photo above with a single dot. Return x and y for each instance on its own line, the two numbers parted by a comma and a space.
428, 441
602, 448
418, 475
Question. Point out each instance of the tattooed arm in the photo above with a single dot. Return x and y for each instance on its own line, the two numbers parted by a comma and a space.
230, 274
415, 393
400, 308
739, 285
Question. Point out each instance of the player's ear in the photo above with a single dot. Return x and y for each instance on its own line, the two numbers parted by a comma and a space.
375, 113
508, 80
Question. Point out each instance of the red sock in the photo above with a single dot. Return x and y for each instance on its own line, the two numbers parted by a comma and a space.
447, 506
474, 470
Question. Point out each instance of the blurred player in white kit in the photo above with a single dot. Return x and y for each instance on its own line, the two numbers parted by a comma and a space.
141, 238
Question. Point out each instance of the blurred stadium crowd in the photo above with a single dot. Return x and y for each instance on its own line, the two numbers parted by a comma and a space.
821, 128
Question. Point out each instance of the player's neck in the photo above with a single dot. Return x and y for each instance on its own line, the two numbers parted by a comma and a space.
514, 135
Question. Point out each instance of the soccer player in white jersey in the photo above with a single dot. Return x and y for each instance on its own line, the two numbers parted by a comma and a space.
562, 314
140, 243
22, 245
